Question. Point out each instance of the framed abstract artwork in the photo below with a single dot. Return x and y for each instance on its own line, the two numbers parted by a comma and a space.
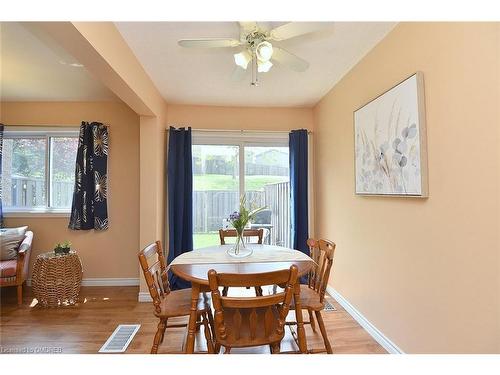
390, 142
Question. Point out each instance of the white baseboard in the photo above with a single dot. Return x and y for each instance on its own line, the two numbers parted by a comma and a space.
365, 323
145, 297
105, 282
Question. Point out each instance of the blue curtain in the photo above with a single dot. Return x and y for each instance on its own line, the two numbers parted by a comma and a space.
89, 209
1, 147
180, 198
298, 189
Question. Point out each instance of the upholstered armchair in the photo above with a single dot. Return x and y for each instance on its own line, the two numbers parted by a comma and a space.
14, 272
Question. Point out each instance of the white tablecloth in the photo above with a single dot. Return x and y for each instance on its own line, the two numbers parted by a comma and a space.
261, 253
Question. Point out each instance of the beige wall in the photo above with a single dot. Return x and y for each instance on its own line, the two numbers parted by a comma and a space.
236, 118
111, 253
423, 271
152, 187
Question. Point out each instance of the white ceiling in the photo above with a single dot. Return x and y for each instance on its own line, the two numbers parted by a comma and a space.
203, 76
35, 68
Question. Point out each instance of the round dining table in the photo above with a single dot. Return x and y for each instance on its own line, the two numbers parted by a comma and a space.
194, 265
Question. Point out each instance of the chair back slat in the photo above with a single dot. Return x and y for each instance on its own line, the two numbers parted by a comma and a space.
237, 324
262, 316
155, 270
322, 252
254, 279
153, 266
268, 321
253, 323
247, 233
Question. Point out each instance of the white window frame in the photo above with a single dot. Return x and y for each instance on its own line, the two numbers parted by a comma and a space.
11, 132
242, 138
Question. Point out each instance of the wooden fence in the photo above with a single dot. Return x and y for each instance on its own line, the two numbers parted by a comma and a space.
28, 192
277, 197
210, 207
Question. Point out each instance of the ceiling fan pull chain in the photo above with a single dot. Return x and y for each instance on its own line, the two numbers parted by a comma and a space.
255, 78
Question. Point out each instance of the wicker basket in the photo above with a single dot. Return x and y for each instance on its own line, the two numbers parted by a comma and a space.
57, 279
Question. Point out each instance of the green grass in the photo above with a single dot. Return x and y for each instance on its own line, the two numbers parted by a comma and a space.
205, 239
208, 239
226, 182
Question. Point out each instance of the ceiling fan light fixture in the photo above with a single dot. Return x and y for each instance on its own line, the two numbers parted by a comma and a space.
264, 51
242, 59
263, 67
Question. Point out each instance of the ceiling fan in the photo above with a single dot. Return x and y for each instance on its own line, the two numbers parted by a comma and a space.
258, 48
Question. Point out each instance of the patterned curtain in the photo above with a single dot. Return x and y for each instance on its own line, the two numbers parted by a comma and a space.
1, 147
90, 197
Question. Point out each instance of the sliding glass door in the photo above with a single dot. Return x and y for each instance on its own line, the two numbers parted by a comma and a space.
226, 166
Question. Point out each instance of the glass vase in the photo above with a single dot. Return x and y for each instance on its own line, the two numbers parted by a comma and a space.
239, 249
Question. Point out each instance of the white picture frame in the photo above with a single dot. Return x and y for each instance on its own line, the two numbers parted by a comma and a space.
390, 142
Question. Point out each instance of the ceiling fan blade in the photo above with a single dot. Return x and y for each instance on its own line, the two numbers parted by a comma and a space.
208, 43
248, 26
293, 29
289, 59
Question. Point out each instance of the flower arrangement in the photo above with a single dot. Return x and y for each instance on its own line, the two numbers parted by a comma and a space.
239, 220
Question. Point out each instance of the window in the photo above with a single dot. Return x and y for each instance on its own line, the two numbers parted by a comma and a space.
38, 167
229, 164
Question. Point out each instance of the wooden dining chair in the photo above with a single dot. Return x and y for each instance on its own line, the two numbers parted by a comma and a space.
169, 304
312, 295
242, 322
247, 233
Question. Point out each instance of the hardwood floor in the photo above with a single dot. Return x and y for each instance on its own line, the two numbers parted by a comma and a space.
85, 327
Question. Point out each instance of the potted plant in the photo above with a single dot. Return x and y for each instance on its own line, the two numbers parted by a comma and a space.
62, 248
239, 220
